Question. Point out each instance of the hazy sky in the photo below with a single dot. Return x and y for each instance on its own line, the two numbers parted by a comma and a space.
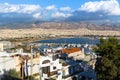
60, 9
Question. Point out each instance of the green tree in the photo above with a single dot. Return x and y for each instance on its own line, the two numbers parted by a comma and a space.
11, 75
108, 65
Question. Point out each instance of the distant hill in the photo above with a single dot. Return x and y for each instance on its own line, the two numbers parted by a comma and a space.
62, 25
76, 25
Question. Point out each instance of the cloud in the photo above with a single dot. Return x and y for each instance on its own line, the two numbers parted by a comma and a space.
60, 15
20, 8
65, 9
29, 8
23, 9
54, 13
37, 15
110, 7
51, 7
101, 9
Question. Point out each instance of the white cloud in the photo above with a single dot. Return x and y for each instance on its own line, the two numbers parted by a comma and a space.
111, 7
51, 7
29, 8
37, 15
35, 11
20, 8
60, 15
65, 9
54, 12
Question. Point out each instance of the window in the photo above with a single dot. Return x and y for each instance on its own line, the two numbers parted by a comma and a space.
55, 57
54, 67
46, 61
46, 69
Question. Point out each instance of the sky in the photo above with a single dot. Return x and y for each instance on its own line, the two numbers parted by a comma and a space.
44, 3
57, 10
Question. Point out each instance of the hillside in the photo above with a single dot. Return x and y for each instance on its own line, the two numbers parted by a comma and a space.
61, 25
76, 25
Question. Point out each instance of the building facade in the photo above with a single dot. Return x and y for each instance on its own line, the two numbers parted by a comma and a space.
5, 45
50, 68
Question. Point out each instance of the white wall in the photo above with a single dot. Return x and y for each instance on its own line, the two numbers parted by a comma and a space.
51, 64
35, 68
1, 46
7, 64
77, 55
5, 45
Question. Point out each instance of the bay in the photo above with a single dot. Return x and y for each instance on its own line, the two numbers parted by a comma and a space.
74, 40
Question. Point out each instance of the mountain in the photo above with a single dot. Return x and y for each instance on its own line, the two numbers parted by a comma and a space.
77, 25
62, 25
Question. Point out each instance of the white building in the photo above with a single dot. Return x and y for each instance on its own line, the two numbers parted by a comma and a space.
75, 53
32, 66
50, 68
11, 61
64, 65
5, 45
53, 67
6, 62
71, 69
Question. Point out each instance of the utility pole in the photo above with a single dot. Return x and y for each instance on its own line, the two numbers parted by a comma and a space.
22, 64
22, 68
31, 62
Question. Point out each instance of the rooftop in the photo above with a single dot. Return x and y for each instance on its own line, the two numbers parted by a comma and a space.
71, 50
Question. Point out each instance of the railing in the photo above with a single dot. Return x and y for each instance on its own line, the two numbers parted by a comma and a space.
66, 76
52, 73
64, 64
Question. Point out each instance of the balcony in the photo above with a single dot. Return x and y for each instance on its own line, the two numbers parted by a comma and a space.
73, 74
52, 73
64, 64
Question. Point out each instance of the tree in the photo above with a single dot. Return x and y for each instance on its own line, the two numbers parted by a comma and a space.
11, 75
107, 66
14, 75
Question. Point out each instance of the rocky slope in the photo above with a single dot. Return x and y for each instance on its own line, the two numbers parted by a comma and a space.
62, 25
77, 25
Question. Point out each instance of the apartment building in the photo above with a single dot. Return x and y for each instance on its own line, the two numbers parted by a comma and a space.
65, 64
5, 45
32, 66
56, 68
50, 68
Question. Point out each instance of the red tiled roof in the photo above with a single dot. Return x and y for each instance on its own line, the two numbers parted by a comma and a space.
71, 50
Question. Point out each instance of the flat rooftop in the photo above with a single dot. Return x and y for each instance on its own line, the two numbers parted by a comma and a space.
70, 50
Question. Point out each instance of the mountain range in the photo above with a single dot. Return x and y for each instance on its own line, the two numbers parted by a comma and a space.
61, 25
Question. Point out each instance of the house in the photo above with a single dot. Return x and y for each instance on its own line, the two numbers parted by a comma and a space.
16, 59
70, 69
75, 53
5, 62
32, 65
47, 48
50, 68
53, 67
5, 45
